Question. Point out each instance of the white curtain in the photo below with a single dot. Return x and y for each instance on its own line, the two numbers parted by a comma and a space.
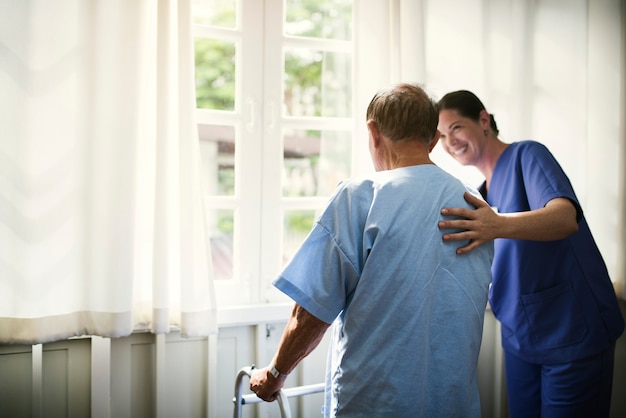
102, 227
549, 70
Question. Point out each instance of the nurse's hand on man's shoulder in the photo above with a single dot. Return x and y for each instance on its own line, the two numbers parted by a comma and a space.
478, 225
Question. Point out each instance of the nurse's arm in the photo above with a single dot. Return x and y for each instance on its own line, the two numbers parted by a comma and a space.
556, 220
302, 334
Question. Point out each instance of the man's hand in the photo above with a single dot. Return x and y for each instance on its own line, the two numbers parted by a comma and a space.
302, 334
480, 225
265, 385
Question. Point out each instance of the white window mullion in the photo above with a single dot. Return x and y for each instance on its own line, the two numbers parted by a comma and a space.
249, 148
330, 45
217, 33
271, 217
318, 123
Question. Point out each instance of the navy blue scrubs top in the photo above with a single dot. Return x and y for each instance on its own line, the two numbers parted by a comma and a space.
555, 300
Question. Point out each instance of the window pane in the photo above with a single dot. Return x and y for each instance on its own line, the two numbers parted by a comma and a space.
220, 13
217, 148
315, 161
328, 19
296, 226
215, 74
317, 83
221, 223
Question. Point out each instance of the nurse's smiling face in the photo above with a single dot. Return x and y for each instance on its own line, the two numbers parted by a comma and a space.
461, 137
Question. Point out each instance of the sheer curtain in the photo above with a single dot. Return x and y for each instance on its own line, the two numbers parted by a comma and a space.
102, 227
549, 70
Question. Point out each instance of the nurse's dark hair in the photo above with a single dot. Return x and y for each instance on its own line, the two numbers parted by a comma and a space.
467, 104
404, 112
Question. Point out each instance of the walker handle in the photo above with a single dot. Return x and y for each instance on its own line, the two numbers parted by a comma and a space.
240, 400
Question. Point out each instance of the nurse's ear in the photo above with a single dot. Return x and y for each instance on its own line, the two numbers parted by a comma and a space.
434, 141
484, 120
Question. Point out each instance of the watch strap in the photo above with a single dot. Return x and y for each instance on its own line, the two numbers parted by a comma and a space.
274, 371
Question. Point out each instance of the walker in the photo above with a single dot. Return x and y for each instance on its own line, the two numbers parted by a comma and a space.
283, 395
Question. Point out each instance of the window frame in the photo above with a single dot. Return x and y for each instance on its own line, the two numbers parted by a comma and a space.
258, 121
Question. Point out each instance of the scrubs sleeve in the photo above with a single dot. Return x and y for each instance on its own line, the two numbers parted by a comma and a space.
544, 178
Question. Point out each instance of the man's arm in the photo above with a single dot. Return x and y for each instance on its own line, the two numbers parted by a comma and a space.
556, 220
302, 334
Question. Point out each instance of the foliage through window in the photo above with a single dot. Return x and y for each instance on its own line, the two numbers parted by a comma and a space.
274, 111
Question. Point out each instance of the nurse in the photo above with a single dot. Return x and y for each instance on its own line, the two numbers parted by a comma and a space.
551, 290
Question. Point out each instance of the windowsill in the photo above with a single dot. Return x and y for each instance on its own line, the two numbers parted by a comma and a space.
253, 314
241, 315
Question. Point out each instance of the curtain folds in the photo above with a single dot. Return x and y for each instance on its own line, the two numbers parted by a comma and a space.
549, 70
102, 222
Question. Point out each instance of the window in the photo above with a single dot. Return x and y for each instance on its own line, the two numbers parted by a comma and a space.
274, 111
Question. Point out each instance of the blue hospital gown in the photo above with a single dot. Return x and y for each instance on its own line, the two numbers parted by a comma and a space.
407, 311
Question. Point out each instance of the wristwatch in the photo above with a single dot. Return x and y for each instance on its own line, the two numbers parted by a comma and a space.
274, 372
